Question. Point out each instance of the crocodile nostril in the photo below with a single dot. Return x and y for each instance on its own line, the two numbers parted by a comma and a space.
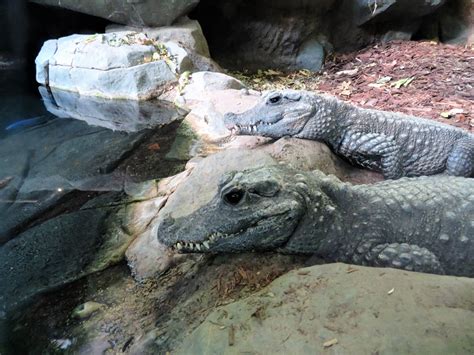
167, 221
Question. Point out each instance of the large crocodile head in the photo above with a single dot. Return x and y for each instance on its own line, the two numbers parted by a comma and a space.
257, 209
277, 114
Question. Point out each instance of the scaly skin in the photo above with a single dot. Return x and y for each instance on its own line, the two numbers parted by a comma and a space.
395, 144
422, 224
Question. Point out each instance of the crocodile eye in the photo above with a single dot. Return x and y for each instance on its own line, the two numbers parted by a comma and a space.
234, 197
274, 99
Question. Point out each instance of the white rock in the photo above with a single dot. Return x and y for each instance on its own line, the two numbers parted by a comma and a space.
124, 65
202, 82
42, 61
187, 32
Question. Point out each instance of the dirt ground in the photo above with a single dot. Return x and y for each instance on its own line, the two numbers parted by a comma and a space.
152, 317
425, 79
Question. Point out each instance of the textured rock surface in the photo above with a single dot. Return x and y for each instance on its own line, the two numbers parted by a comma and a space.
394, 10
129, 12
72, 245
208, 96
58, 157
187, 33
60, 255
358, 310
122, 65
147, 257
299, 34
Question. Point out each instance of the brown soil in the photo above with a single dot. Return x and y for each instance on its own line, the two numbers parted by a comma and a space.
442, 80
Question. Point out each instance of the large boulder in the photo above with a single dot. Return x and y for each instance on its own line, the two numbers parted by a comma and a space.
187, 33
342, 309
129, 12
64, 248
122, 65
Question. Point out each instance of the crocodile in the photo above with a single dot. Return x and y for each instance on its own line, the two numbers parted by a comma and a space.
392, 143
423, 224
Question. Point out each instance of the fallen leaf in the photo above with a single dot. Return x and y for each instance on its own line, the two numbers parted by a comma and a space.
154, 146
304, 72
402, 82
330, 343
271, 72
350, 270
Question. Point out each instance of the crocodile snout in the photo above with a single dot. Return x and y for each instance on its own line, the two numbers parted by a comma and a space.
229, 120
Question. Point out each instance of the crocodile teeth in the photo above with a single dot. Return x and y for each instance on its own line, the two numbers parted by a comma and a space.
206, 245
179, 246
198, 247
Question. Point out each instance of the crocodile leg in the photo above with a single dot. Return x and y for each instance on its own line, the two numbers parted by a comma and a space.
370, 146
461, 159
403, 256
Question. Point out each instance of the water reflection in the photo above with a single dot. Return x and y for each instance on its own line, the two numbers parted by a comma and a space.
117, 115
83, 143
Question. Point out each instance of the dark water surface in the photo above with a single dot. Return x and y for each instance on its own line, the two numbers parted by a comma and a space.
57, 152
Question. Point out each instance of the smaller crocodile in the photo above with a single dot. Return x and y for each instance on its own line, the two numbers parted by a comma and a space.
393, 143
422, 224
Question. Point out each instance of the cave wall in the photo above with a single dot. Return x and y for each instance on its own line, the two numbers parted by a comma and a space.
257, 34
288, 35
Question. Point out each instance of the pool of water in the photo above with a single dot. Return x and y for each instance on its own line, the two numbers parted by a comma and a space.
57, 152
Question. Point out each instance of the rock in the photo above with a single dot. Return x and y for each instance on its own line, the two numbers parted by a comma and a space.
343, 309
116, 115
456, 22
129, 12
394, 10
204, 82
208, 96
63, 158
146, 257
188, 33
310, 56
297, 35
65, 248
42, 61
311, 155
119, 65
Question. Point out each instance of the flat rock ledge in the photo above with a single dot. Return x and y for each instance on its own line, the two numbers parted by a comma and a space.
343, 309
117, 65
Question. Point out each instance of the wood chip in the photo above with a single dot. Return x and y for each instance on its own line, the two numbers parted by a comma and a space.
231, 335
350, 270
330, 343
